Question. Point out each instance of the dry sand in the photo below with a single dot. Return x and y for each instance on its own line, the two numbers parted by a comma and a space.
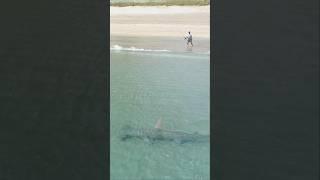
160, 21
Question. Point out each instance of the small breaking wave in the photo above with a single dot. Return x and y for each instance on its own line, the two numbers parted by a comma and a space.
203, 53
120, 48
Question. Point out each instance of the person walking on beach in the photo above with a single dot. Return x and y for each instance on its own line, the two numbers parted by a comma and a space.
189, 39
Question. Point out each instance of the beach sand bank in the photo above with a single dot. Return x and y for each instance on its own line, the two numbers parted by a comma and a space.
160, 26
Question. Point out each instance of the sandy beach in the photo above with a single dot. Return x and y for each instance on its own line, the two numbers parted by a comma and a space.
160, 21
160, 27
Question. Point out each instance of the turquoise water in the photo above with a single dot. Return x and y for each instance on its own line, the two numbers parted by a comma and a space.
146, 86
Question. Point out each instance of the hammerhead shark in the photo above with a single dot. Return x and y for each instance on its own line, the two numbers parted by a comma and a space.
159, 134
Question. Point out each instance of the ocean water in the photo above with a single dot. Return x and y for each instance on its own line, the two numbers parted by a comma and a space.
147, 85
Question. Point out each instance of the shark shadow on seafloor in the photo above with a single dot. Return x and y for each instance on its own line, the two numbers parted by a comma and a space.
155, 134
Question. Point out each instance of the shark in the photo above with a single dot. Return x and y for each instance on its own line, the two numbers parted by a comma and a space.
157, 133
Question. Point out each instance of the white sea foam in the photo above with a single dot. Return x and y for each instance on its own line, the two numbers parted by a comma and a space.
120, 48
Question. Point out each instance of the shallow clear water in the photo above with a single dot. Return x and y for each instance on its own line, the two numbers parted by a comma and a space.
146, 86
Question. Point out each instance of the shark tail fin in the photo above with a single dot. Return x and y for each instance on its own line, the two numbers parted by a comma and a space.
158, 124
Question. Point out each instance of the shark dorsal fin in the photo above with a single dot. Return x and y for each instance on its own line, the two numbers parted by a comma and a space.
158, 124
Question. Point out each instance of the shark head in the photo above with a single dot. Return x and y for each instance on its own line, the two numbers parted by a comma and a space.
125, 132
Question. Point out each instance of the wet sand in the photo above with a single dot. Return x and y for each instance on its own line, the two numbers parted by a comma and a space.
176, 44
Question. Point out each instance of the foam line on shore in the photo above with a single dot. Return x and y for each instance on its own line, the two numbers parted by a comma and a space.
120, 48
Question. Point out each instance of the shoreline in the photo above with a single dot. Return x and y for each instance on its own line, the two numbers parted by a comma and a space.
159, 44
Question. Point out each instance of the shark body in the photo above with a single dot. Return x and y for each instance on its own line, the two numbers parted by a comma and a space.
159, 134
